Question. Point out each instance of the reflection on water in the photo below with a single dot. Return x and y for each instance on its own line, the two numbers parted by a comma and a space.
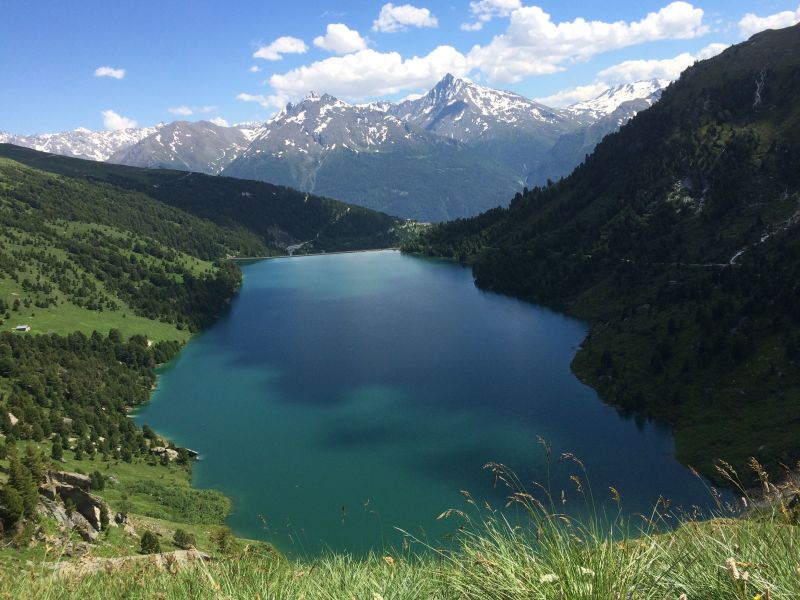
346, 396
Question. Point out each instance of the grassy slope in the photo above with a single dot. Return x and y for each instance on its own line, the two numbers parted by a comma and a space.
721, 559
32, 248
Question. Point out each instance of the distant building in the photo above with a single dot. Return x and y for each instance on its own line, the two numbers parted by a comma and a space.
22, 328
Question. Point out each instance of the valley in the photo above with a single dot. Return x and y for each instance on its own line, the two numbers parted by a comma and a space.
508, 308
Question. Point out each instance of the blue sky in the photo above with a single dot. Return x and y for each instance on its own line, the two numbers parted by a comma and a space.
197, 58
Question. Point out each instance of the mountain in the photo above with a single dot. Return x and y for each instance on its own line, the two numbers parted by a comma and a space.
462, 110
611, 100
277, 218
199, 146
599, 116
81, 142
460, 149
373, 158
511, 129
678, 238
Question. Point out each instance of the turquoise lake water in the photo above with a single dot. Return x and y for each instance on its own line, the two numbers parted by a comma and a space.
345, 396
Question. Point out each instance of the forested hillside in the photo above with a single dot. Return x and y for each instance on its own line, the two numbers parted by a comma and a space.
278, 216
678, 239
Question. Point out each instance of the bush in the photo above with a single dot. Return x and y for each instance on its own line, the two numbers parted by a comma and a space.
69, 506
149, 543
184, 539
98, 482
222, 539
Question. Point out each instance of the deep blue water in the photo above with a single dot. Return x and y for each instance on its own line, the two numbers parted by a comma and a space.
345, 396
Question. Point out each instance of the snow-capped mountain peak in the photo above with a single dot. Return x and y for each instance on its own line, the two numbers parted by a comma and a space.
463, 110
611, 99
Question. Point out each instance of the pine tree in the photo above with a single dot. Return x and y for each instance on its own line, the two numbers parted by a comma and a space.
19, 478
57, 452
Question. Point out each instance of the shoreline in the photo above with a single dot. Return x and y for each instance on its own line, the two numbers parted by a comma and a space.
160, 368
254, 258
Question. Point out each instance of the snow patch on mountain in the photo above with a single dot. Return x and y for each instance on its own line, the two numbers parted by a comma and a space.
82, 142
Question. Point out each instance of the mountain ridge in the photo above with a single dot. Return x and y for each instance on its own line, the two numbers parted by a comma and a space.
459, 149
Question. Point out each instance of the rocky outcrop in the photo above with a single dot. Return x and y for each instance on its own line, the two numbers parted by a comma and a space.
63, 485
75, 521
160, 450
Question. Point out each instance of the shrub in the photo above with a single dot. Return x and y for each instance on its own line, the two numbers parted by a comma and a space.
222, 538
149, 543
184, 539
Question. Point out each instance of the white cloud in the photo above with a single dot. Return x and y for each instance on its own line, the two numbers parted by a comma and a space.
630, 71
535, 45
283, 45
340, 39
254, 69
412, 96
573, 95
114, 121
399, 18
711, 51
109, 72
191, 110
486, 10
181, 110
532, 45
270, 101
669, 68
750, 23
368, 73
476, 26
219, 121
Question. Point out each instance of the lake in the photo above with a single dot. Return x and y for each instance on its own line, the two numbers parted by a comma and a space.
345, 396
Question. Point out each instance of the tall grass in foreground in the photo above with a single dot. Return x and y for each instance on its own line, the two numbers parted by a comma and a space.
543, 554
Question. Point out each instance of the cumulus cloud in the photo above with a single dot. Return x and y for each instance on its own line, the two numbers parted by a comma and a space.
340, 39
115, 121
219, 121
535, 45
185, 111
254, 69
368, 73
668, 68
283, 45
573, 95
476, 26
630, 71
532, 45
399, 18
750, 23
486, 10
109, 72
268, 101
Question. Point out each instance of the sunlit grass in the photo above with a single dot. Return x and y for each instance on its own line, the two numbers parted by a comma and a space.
741, 552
